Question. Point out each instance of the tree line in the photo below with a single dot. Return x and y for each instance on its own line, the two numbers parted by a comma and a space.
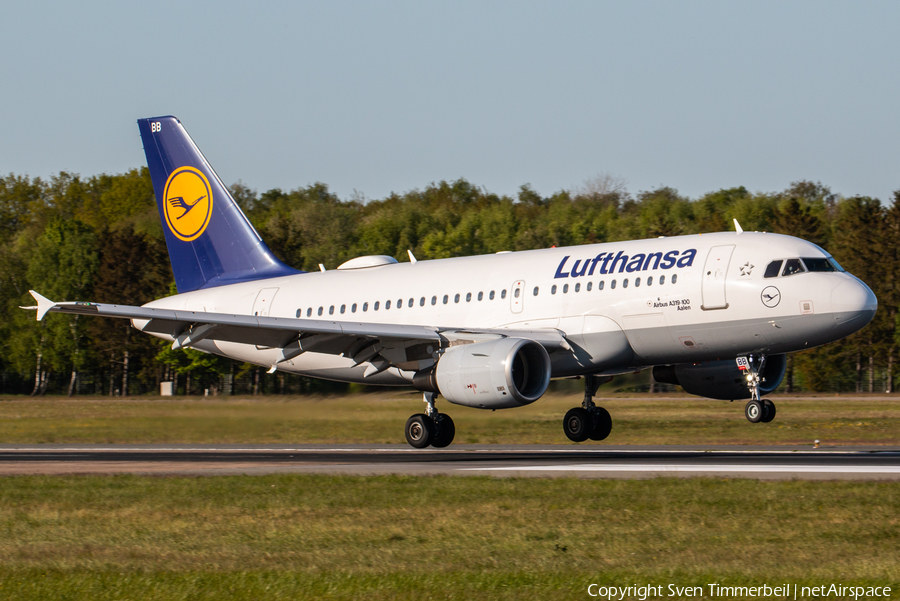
100, 238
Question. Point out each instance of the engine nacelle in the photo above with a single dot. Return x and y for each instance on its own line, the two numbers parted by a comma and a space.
498, 374
721, 379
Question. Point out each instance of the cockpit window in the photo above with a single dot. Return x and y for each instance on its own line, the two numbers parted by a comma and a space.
773, 268
818, 264
792, 266
837, 265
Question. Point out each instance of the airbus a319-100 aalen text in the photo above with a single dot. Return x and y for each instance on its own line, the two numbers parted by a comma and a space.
713, 313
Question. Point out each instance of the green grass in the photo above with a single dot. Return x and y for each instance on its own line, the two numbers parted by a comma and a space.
379, 418
314, 537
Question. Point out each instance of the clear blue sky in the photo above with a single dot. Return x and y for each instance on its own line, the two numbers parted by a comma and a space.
390, 96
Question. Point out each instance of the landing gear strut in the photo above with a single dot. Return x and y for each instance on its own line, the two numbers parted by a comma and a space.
430, 428
757, 409
589, 420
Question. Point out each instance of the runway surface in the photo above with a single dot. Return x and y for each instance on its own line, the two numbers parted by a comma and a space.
873, 463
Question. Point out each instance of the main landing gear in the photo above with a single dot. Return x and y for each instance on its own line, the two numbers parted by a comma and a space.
757, 409
430, 428
589, 420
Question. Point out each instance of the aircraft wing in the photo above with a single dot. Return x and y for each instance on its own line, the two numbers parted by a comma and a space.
382, 345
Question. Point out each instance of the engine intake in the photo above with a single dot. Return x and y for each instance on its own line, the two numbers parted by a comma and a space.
503, 373
721, 379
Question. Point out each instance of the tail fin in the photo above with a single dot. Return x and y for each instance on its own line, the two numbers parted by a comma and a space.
210, 240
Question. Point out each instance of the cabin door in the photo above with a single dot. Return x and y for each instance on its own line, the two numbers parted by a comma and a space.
714, 277
264, 301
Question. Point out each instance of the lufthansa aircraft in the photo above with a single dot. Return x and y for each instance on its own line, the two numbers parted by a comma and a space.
713, 313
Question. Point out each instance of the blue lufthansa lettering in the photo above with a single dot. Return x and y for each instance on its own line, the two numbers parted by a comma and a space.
669, 259
594, 263
575, 272
559, 270
620, 256
687, 258
608, 262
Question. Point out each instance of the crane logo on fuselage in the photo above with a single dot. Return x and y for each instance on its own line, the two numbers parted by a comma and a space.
608, 263
188, 203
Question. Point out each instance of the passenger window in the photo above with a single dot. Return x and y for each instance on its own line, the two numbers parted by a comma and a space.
331, 310
625, 283
589, 285
612, 285
792, 266
411, 303
399, 303
309, 312
577, 287
565, 288
517, 292
353, 308
365, 307
299, 312
818, 264
456, 298
600, 285
491, 295
503, 293
375, 306
536, 290
446, 299
433, 300
343, 309
387, 305
674, 277
662, 280
320, 310
422, 302
481, 296
772, 269
637, 282
650, 281
553, 289
468, 297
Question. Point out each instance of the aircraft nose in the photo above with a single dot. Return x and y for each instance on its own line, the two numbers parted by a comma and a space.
853, 304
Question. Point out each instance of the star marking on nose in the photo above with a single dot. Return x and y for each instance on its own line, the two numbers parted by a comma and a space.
746, 268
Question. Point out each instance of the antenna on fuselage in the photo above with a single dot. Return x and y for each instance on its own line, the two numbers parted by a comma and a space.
738, 228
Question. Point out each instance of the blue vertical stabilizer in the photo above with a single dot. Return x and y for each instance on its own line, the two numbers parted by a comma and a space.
210, 240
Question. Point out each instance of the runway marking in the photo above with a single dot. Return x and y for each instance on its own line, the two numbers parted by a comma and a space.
688, 468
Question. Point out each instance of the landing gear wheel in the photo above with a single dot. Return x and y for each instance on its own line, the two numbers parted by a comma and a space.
444, 431
419, 430
577, 424
769, 408
602, 424
754, 412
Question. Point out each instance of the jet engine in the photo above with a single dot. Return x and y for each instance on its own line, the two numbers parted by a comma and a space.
498, 374
721, 379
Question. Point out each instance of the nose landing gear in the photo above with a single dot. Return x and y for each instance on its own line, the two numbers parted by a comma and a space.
757, 409
589, 420
430, 428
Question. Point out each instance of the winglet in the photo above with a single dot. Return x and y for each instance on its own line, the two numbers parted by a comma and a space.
737, 227
44, 304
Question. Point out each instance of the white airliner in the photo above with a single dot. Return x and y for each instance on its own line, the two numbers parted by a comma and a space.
714, 313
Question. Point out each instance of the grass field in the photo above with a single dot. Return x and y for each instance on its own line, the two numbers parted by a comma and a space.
379, 418
317, 537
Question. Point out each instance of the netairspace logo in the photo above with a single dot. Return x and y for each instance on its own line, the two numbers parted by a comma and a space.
715, 590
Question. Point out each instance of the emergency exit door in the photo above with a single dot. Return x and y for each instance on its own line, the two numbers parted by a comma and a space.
714, 277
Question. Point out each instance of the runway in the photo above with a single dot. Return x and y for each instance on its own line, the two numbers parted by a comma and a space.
872, 463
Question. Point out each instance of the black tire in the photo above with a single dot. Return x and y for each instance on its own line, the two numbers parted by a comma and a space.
419, 430
444, 431
754, 412
577, 424
769, 407
602, 424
